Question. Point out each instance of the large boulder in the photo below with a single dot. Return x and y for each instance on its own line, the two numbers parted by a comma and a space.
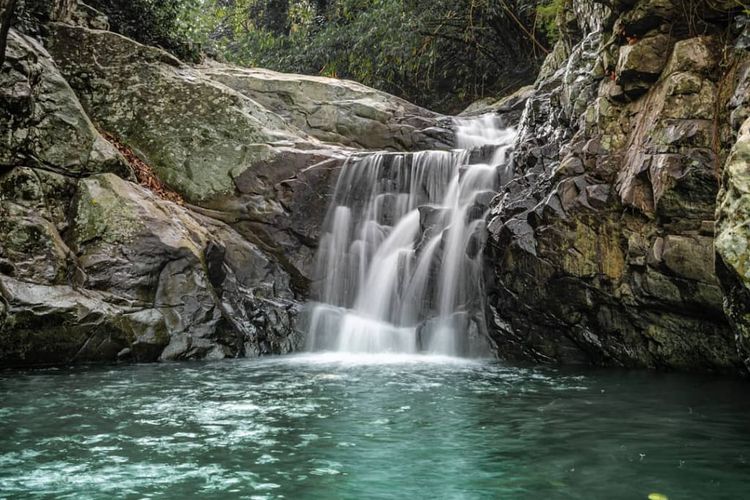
336, 111
42, 123
211, 287
150, 280
640, 64
53, 325
197, 134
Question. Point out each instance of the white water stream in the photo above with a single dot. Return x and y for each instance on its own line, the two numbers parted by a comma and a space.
399, 264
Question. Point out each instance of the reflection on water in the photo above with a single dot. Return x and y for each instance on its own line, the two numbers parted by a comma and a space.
333, 426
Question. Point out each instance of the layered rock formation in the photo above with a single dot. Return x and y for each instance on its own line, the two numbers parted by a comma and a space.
94, 267
603, 245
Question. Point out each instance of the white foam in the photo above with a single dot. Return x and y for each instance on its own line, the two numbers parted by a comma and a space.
358, 359
398, 268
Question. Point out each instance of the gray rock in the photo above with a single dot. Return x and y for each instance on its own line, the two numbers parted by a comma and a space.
42, 123
509, 108
153, 253
196, 133
641, 64
52, 325
598, 248
334, 111
88, 17
732, 238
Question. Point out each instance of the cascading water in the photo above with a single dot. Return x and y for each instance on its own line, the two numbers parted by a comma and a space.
399, 263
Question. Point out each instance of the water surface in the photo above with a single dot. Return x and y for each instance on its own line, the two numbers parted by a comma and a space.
333, 426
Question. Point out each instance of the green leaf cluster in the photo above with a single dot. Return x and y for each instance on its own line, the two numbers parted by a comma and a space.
547, 14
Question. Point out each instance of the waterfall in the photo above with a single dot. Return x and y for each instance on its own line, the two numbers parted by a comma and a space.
399, 264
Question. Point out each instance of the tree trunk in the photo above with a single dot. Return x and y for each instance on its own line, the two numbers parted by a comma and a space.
6, 19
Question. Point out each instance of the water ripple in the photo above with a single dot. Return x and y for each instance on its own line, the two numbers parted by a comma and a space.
331, 426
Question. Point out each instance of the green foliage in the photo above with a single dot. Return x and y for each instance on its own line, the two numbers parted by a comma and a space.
438, 53
174, 25
441, 54
547, 14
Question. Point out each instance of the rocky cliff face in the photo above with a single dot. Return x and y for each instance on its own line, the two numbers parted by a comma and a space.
621, 240
603, 245
94, 266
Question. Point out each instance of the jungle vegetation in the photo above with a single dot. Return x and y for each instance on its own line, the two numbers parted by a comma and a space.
441, 54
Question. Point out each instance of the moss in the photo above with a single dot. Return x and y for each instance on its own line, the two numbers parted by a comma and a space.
595, 249
102, 214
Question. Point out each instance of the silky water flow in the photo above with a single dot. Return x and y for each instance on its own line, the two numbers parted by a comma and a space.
399, 267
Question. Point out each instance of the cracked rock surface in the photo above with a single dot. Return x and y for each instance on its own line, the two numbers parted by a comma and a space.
602, 247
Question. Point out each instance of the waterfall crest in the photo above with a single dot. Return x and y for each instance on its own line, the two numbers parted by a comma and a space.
399, 263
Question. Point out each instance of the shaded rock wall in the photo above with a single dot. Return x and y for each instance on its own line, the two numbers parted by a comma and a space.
733, 240
603, 245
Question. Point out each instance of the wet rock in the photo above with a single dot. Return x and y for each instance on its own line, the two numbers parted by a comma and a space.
687, 257
50, 325
599, 247
641, 64
155, 254
569, 167
509, 109
473, 344
732, 238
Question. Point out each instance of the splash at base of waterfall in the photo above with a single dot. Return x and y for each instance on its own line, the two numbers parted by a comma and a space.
347, 330
399, 267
